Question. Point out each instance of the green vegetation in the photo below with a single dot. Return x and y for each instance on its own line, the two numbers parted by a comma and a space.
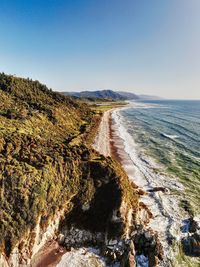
46, 162
104, 106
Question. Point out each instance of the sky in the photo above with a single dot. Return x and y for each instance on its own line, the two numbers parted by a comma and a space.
142, 46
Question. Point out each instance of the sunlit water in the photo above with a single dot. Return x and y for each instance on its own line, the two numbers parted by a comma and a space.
169, 132
162, 139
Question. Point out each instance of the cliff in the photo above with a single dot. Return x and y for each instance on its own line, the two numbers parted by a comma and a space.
50, 178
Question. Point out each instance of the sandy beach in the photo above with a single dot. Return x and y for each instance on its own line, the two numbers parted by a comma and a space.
102, 140
107, 142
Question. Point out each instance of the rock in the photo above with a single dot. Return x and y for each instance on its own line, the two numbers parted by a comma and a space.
120, 243
148, 235
153, 260
193, 225
132, 248
140, 192
139, 227
191, 245
143, 216
195, 244
61, 239
110, 247
114, 256
112, 242
136, 239
159, 188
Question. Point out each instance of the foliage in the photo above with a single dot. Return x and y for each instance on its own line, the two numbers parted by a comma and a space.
44, 164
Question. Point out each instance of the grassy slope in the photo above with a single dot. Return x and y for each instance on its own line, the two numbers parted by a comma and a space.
44, 163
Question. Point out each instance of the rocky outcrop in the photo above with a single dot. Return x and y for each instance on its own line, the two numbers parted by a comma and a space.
143, 215
76, 238
23, 252
191, 243
104, 209
147, 243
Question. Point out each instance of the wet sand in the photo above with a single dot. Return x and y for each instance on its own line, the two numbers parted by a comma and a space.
49, 255
107, 142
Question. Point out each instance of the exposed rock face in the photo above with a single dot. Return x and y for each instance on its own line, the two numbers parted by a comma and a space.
193, 225
147, 243
3, 261
143, 215
83, 257
23, 252
74, 237
191, 243
106, 213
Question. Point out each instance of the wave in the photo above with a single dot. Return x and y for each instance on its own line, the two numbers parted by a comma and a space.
181, 135
169, 136
186, 128
140, 105
185, 119
145, 172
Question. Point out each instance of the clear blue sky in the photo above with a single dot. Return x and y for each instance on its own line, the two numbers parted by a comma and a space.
143, 46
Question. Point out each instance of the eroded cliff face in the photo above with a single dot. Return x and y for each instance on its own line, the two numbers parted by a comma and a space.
101, 210
30, 244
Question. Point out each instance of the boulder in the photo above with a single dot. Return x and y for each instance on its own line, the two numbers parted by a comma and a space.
193, 225
112, 242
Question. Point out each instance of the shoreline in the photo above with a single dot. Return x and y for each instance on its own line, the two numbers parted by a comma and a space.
162, 191
167, 217
109, 142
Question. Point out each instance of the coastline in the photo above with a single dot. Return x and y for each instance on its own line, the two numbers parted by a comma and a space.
159, 203
159, 188
109, 142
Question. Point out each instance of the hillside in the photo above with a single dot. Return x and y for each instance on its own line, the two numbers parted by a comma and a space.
100, 94
110, 95
128, 95
48, 169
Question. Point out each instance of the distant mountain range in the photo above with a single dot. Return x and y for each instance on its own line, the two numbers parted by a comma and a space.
110, 95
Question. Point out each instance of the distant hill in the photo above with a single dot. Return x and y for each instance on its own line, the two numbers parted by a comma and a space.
110, 95
128, 95
100, 94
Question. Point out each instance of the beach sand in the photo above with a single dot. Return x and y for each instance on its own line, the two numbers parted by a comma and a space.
102, 140
107, 142
49, 255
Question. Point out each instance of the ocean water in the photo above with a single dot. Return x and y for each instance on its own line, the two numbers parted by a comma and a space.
160, 144
169, 132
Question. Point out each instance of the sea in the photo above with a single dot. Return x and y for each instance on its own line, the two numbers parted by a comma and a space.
159, 144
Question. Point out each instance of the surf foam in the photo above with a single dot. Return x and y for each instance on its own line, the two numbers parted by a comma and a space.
145, 173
